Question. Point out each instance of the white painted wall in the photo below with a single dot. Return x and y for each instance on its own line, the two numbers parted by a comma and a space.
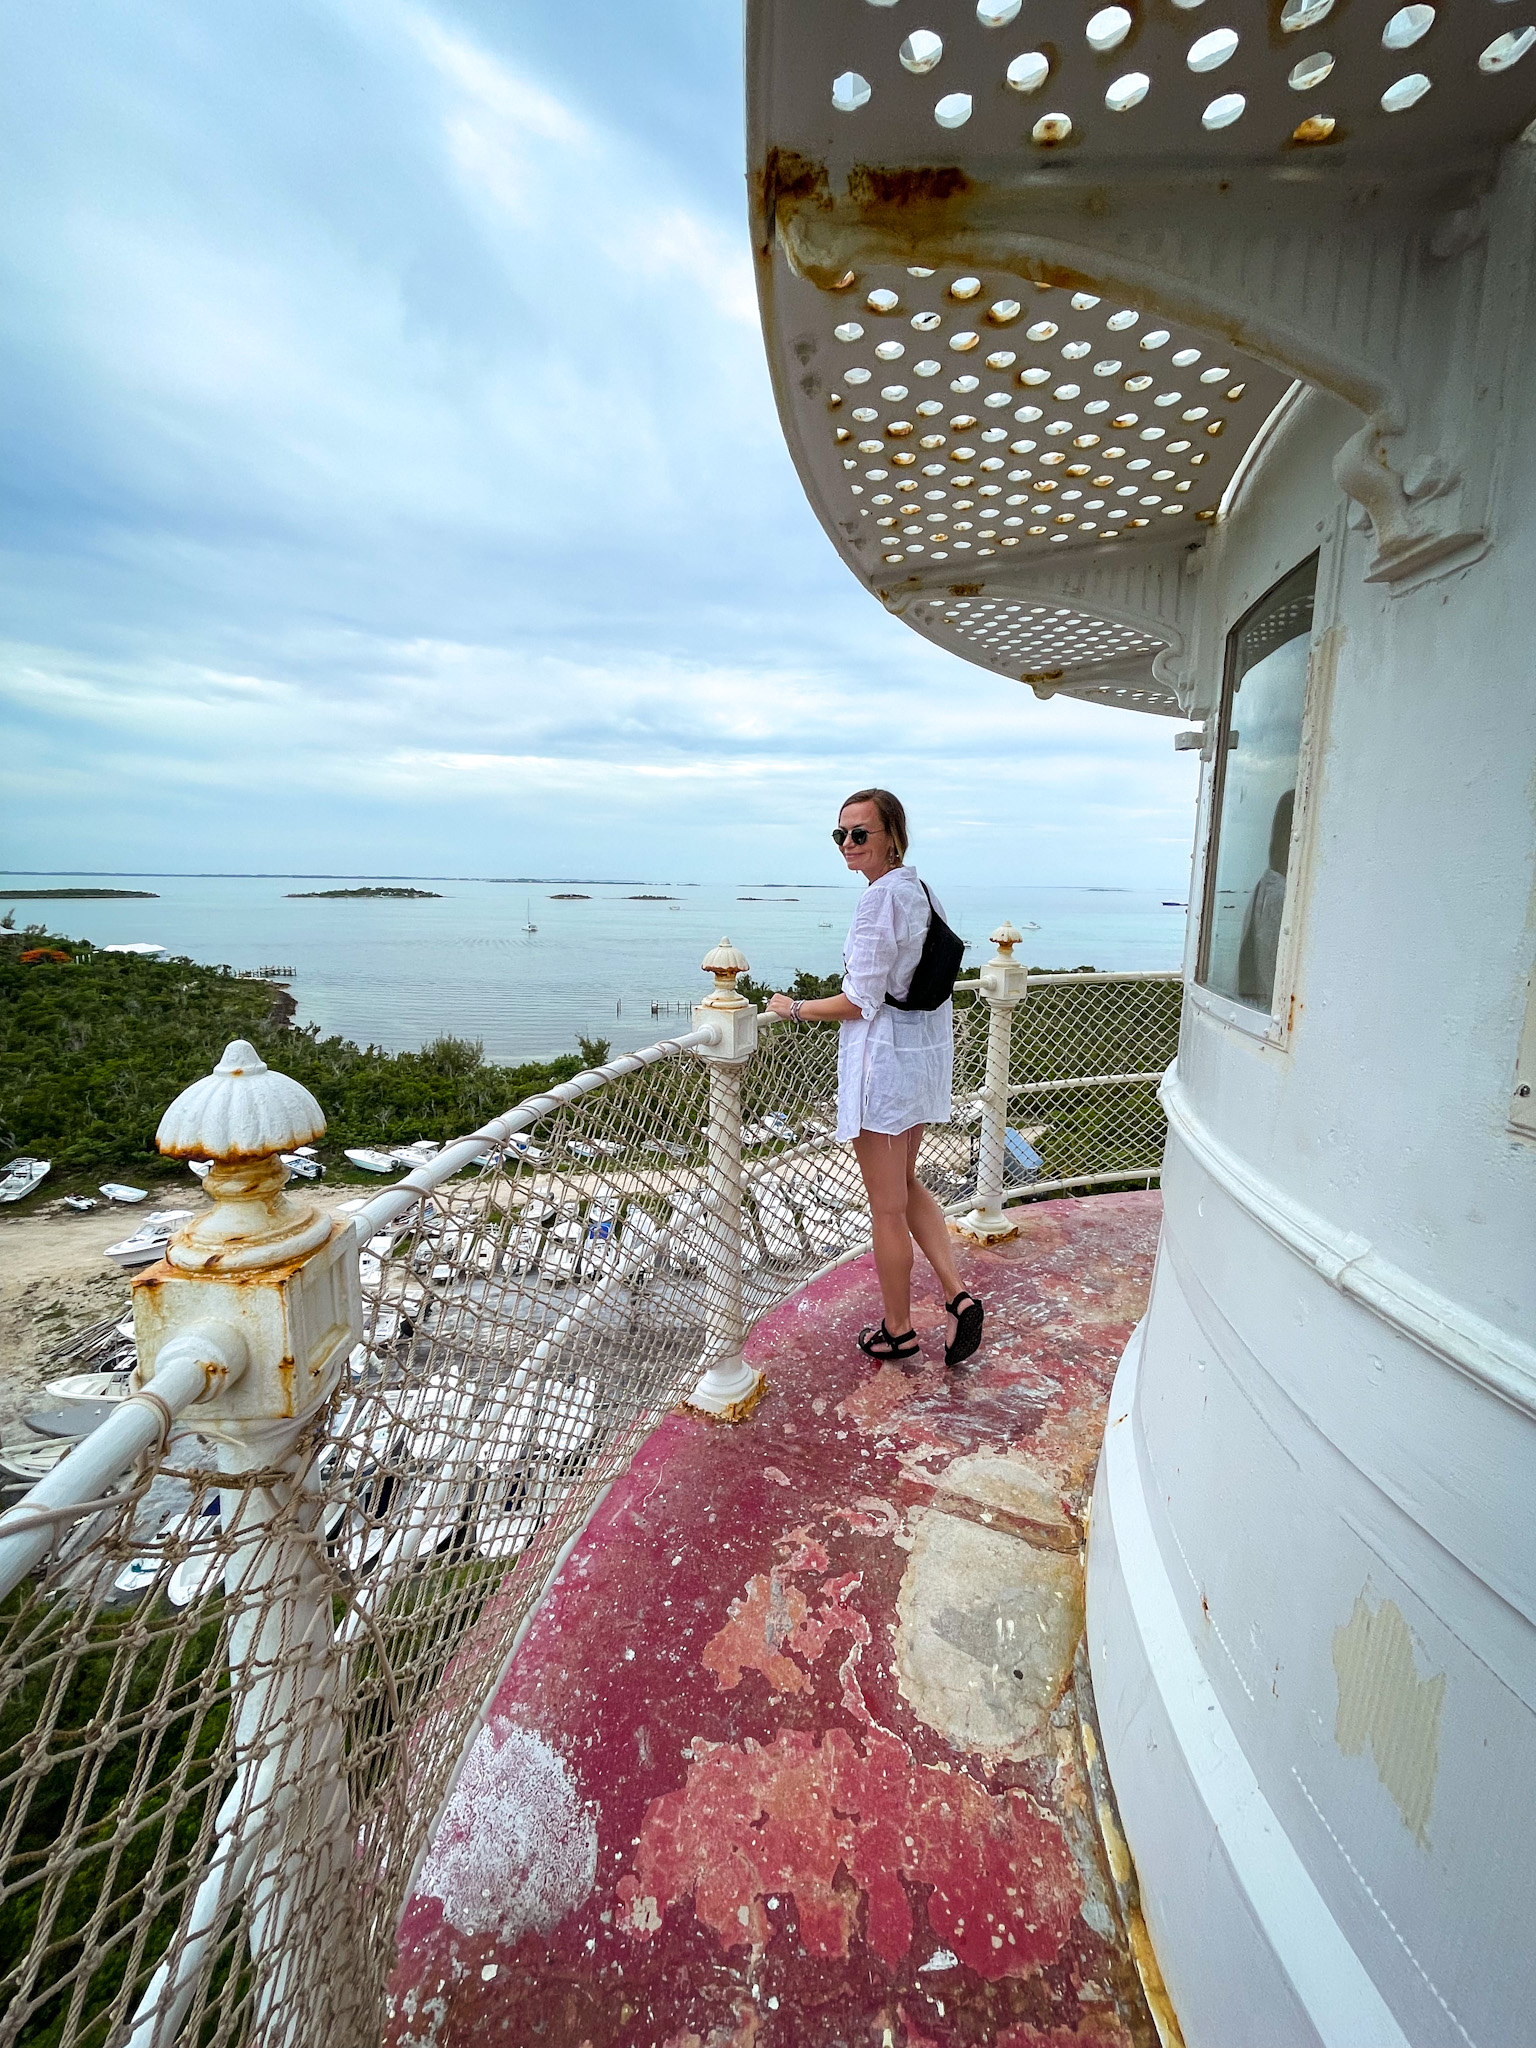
1326, 1456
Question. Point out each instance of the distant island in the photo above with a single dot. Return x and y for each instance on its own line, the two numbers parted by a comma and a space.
75, 895
650, 899
767, 899
318, 895
569, 896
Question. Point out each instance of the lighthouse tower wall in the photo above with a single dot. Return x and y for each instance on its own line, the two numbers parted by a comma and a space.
1312, 1566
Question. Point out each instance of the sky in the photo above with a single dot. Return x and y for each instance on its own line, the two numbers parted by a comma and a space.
392, 482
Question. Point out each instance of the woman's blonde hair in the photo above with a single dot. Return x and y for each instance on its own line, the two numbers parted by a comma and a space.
892, 817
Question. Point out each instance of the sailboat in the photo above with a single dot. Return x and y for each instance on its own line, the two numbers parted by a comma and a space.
530, 926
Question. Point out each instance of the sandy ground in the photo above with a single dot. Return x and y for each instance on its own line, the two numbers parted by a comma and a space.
55, 1282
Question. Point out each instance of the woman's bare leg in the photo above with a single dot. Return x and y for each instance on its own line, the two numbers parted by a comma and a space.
883, 1163
925, 1220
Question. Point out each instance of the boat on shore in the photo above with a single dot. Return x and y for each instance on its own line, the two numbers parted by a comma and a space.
149, 1241
32, 1458
97, 1394
369, 1160
119, 1191
22, 1176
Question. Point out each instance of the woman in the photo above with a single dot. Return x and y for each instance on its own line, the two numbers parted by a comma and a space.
893, 1073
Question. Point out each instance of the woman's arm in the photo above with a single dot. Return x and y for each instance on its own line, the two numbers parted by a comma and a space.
817, 1009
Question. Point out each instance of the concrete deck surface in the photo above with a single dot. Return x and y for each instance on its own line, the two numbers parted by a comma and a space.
789, 1756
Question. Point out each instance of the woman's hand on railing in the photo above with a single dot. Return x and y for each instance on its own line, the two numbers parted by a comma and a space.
836, 1009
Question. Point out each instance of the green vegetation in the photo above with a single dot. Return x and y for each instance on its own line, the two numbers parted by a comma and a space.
169, 1698
93, 1046
77, 895
334, 895
594, 1050
804, 987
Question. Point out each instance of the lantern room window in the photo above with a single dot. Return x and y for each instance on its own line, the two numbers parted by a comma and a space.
1253, 792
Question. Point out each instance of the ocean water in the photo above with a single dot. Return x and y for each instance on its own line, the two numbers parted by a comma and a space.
396, 974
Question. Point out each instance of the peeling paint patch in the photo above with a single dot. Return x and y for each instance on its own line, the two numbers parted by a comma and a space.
773, 1623
1384, 1702
516, 1850
986, 1628
1010, 1481
790, 1816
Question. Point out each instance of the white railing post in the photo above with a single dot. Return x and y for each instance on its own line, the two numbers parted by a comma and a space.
1003, 984
285, 1278
729, 1386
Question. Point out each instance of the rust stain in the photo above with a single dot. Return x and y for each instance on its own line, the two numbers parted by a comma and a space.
786, 175
906, 185
738, 1410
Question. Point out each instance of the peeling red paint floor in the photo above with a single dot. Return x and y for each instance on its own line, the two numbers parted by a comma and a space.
788, 1756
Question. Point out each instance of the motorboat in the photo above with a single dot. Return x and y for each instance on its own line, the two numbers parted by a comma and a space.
149, 1241
29, 1460
302, 1165
200, 1168
422, 1153
89, 1393
22, 1176
371, 1161
119, 1191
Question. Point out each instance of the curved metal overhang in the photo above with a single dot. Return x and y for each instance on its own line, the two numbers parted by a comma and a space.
986, 236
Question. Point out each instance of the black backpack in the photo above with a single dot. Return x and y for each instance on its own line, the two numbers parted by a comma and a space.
938, 965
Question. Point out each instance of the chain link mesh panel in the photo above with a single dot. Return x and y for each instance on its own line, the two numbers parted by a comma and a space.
232, 1703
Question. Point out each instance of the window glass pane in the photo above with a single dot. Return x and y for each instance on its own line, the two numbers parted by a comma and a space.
1257, 751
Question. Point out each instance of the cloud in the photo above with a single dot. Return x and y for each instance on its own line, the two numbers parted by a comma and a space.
392, 460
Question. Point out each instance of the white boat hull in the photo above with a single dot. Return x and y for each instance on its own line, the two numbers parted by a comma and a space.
21, 1177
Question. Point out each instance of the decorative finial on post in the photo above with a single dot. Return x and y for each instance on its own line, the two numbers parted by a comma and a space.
1005, 938
724, 962
241, 1116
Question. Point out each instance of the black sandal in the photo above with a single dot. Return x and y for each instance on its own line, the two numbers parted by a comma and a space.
879, 1344
967, 1328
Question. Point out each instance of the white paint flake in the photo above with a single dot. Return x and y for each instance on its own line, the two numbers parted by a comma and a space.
515, 1851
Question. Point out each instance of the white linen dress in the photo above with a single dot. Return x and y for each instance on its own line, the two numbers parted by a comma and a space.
894, 1067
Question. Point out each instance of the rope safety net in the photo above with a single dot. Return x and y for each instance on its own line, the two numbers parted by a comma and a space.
233, 1702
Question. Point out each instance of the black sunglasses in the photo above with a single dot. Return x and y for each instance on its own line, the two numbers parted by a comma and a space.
859, 834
